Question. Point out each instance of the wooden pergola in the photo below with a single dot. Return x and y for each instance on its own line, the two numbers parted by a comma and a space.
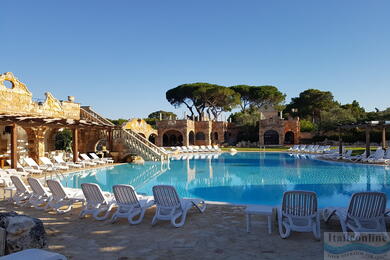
15, 120
368, 126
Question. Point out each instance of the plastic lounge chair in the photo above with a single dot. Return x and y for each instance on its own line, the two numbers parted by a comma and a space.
293, 148
40, 195
386, 157
20, 168
86, 160
217, 149
46, 161
302, 148
171, 207
34, 254
96, 201
63, 196
5, 178
31, 163
377, 155
22, 194
299, 212
61, 161
308, 148
97, 158
130, 205
365, 213
203, 148
346, 155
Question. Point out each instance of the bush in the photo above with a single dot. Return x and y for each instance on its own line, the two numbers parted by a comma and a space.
307, 126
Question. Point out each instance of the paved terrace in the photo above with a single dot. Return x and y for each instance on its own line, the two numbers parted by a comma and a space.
219, 233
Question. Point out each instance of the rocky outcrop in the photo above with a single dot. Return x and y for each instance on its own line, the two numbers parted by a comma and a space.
22, 232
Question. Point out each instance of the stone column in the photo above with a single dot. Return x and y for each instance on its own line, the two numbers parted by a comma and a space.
75, 144
36, 142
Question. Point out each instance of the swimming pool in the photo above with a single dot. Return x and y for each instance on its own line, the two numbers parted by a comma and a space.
245, 178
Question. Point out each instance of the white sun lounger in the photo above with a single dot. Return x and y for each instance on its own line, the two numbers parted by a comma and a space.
171, 207
217, 149
293, 148
96, 201
31, 163
86, 160
299, 212
130, 205
46, 161
379, 153
97, 158
61, 161
40, 195
22, 194
5, 179
34, 254
63, 197
25, 169
365, 213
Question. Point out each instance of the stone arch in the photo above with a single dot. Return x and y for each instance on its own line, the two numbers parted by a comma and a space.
141, 134
172, 138
191, 138
101, 145
271, 137
289, 137
200, 136
152, 138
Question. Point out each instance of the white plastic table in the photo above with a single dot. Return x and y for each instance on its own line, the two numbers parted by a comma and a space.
261, 210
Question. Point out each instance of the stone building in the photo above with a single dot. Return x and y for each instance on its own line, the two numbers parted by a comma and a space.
28, 128
274, 130
190, 132
142, 128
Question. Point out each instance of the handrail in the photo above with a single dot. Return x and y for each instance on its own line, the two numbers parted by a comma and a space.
148, 146
146, 141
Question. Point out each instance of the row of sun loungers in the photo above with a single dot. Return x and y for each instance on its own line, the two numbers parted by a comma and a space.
195, 149
32, 167
298, 212
379, 156
97, 203
309, 148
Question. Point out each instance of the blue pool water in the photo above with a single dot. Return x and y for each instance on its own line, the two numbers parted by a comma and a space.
245, 178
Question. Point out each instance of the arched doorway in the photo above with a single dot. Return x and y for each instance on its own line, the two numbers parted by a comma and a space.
191, 138
172, 138
152, 138
289, 137
271, 137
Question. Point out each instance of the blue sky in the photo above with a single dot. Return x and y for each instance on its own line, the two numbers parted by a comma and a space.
121, 56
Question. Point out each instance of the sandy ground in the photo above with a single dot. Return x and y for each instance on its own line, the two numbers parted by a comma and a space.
218, 233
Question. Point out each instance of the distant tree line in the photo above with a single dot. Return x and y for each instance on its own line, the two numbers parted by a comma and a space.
319, 112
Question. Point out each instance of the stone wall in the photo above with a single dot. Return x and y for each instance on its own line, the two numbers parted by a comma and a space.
17, 99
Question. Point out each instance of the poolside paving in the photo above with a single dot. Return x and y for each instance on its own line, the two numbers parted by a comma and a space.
218, 233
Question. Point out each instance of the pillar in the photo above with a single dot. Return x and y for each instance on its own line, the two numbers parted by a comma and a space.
384, 137
367, 141
109, 140
36, 142
75, 144
14, 147
340, 142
